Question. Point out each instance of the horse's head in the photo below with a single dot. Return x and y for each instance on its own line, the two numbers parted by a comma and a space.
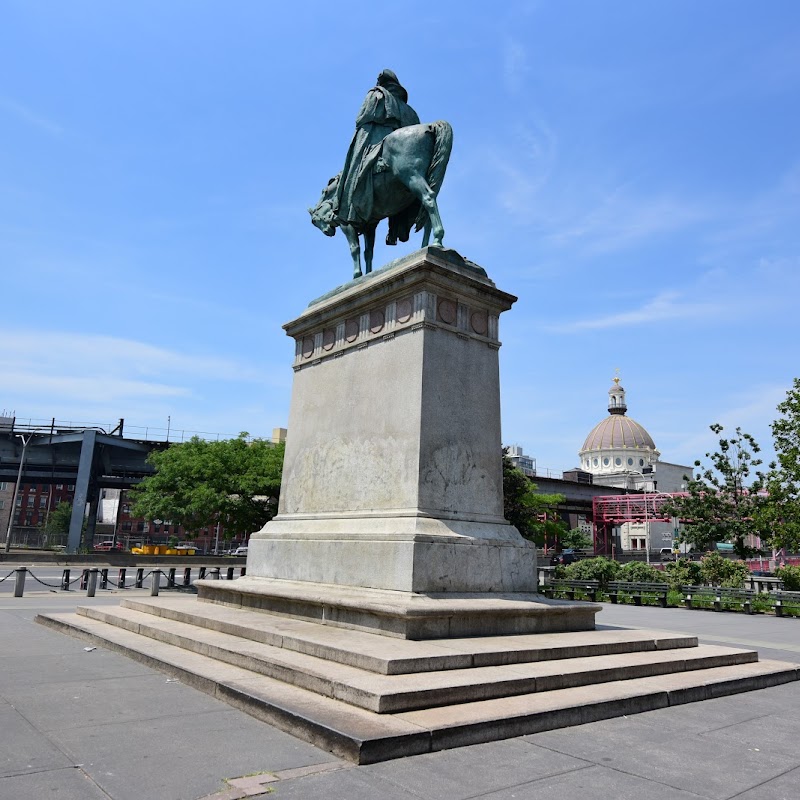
322, 215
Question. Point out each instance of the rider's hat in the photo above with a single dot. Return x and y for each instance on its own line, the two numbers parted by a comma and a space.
389, 81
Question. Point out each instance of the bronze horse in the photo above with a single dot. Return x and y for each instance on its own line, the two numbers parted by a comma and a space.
408, 175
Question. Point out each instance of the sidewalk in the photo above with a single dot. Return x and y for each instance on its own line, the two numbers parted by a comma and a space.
80, 725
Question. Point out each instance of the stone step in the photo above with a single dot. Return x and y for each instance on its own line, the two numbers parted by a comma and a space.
393, 693
391, 656
382, 693
365, 737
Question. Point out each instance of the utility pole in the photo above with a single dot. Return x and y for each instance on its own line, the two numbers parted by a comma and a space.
25, 441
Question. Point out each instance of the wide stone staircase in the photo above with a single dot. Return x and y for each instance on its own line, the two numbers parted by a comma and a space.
368, 697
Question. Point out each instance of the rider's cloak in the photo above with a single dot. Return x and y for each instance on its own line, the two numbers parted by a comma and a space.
384, 110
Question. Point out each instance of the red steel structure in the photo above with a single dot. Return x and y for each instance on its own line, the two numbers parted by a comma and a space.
611, 510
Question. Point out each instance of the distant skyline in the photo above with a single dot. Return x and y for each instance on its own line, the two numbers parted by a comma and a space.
630, 170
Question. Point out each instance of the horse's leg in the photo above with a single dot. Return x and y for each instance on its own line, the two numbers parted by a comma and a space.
355, 249
369, 247
419, 186
426, 236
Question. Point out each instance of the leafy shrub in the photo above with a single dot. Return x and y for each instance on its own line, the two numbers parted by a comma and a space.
593, 569
719, 571
790, 576
683, 573
640, 572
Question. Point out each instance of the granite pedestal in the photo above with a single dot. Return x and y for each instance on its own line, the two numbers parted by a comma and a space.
392, 478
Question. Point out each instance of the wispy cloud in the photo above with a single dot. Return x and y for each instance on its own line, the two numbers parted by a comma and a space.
515, 65
668, 305
752, 411
108, 355
25, 114
623, 218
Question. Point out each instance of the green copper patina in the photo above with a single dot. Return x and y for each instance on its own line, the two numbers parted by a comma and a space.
394, 169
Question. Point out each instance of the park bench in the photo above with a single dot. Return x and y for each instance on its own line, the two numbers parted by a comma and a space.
639, 591
588, 588
718, 594
783, 600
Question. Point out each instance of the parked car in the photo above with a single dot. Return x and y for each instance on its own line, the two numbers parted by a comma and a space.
240, 551
104, 547
564, 557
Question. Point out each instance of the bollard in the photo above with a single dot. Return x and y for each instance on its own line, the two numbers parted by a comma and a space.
121, 579
65, 580
230, 573
92, 584
19, 586
202, 575
171, 578
139, 577
187, 576
155, 583
214, 574
104, 579
84, 579
242, 572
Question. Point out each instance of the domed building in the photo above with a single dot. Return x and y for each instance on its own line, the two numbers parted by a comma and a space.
619, 451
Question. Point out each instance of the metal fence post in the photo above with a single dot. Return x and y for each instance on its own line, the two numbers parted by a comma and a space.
104, 579
84, 579
65, 580
171, 578
202, 575
121, 579
139, 577
187, 576
242, 572
19, 585
155, 583
92, 584
230, 573
214, 574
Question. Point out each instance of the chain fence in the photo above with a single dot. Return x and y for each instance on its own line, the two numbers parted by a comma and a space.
93, 578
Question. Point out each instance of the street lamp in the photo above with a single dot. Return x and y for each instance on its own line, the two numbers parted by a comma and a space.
25, 441
645, 474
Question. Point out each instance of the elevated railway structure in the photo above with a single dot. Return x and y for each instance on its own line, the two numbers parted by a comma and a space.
89, 457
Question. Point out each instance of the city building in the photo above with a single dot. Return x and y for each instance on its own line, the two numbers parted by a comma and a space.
620, 452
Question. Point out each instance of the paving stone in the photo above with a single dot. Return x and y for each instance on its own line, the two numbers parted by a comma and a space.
691, 762
24, 748
782, 787
443, 775
594, 783
63, 784
182, 758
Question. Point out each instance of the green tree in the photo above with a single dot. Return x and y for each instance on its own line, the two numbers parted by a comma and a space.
790, 576
683, 572
197, 484
639, 572
576, 539
593, 569
780, 514
534, 515
59, 519
724, 502
719, 571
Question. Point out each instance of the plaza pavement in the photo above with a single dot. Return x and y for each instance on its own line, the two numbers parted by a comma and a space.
79, 724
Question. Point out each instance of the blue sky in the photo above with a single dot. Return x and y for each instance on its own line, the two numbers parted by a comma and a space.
629, 170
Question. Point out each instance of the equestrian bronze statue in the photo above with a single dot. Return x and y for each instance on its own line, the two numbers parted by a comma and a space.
394, 170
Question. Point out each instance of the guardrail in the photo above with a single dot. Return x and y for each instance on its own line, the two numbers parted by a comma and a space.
89, 579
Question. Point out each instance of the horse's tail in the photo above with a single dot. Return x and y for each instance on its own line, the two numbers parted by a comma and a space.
443, 136
443, 145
